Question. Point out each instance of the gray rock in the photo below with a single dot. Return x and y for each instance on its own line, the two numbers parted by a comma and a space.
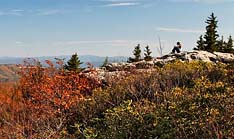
225, 57
198, 56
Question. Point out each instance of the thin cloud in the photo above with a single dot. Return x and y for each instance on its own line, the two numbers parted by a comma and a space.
118, 1
101, 42
13, 12
17, 10
18, 42
179, 30
120, 4
213, 1
203, 1
48, 12
20, 12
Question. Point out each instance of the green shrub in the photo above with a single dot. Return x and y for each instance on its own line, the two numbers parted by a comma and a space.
179, 100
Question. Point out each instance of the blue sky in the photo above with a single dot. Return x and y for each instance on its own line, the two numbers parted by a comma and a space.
106, 27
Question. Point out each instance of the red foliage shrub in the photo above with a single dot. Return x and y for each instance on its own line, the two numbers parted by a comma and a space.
46, 97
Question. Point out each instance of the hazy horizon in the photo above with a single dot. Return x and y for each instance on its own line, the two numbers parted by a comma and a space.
105, 27
57, 56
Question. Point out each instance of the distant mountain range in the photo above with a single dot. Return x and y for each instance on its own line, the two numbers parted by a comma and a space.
95, 60
9, 70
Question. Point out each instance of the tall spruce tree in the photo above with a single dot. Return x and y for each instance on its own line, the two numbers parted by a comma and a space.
200, 44
136, 53
147, 54
73, 64
211, 34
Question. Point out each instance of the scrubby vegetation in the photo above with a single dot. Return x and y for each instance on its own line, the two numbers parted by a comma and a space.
172, 100
178, 100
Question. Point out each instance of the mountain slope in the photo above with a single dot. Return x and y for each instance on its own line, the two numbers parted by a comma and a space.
8, 73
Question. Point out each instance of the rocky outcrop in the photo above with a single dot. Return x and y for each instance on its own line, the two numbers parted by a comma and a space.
119, 66
198, 56
129, 66
183, 56
117, 71
225, 57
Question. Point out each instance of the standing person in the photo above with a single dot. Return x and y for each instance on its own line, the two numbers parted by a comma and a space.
177, 48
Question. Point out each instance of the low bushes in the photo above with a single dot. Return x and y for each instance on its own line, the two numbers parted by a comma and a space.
178, 100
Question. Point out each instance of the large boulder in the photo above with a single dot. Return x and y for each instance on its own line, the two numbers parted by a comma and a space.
201, 56
225, 57
129, 66
119, 66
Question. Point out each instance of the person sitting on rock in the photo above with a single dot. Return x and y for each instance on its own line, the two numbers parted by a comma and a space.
176, 48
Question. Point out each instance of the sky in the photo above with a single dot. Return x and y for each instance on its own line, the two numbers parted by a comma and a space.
31, 28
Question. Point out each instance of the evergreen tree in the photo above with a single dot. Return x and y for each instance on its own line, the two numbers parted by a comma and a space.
211, 34
147, 54
229, 46
106, 61
74, 64
200, 44
136, 53
221, 45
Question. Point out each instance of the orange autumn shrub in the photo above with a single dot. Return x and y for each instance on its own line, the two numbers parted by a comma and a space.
9, 105
47, 97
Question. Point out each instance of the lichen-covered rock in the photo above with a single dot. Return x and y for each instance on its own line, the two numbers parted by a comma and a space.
119, 71
115, 66
202, 56
197, 56
129, 66
122, 69
225, 57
